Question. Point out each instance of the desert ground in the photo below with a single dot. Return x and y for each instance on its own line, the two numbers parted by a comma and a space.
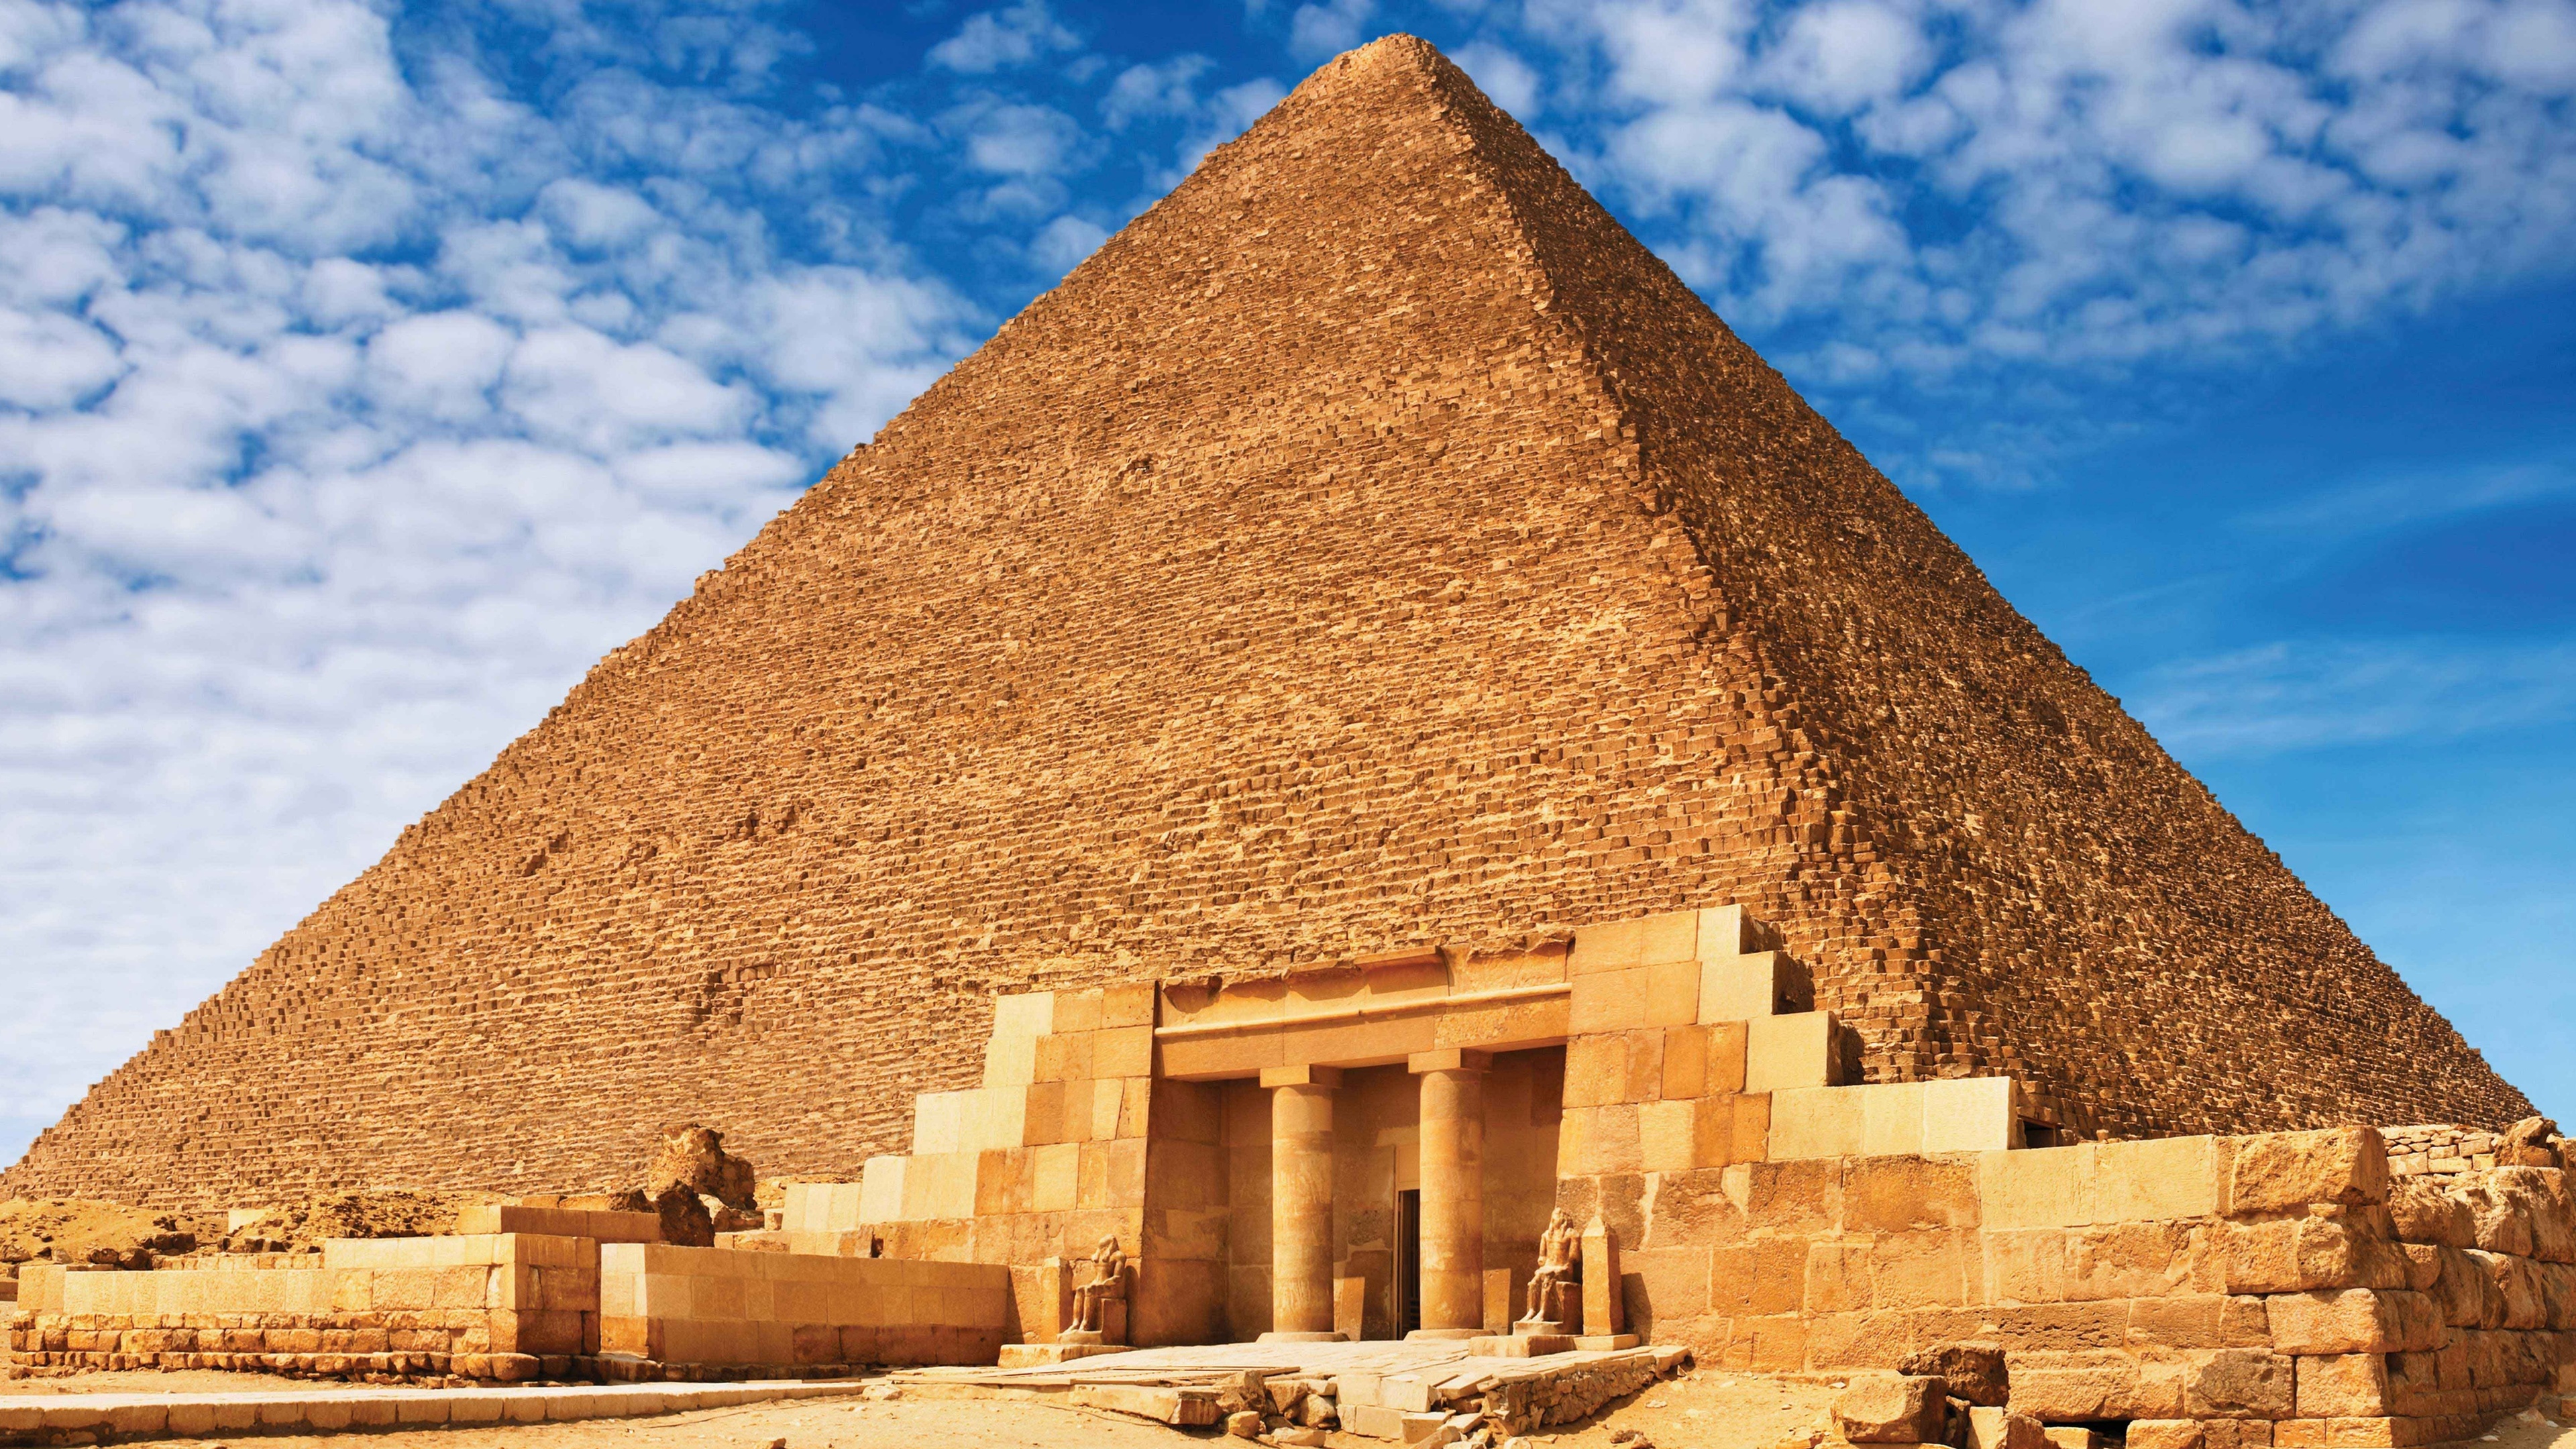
1702, 1409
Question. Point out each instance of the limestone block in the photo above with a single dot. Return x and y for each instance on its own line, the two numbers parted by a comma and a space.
1782, 1052
1812, 1122
1642, 941
1065, 1056
1608, 1001
2174, 1177
2355, 1320
2071, 1386
1974, 1372
937, 1122
1350, 1307
1722, 1068
1126, 1051
2046, 1187
1891, 1118
2242, 1383
881, 1195
991, 1119
1752, 1127
1748, 987
1075, 1011
1596, 1070
1922, 1269
2166, 1434
2279, 1171
1685, 1063
1968, 1114
1672, 993
1681, 1136
1010, 1054
1731, 931
1886, 1408
1995, 1428
2342, 1386
2294, 1255
2425, 1212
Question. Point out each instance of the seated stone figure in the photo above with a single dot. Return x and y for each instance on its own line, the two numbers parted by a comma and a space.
1091, 1300
1556, 1289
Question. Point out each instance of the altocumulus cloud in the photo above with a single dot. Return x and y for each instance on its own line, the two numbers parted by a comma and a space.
1951, 185
348, 408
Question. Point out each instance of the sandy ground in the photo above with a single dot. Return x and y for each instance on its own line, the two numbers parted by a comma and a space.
1703, 1409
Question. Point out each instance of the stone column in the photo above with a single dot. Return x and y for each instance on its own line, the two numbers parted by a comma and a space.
1301, 1203
1453, 1193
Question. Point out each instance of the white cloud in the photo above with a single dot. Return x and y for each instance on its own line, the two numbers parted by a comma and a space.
1840, 56
2074, 183
1065, 241
1153, 89
994, 39
2299, 695
1501, 75
1016, 140
348, 413
1322, 30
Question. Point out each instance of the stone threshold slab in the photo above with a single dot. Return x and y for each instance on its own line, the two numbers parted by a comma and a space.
117, 1417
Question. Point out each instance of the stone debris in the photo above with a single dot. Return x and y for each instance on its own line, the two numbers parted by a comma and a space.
1885, 1408
1973, 1372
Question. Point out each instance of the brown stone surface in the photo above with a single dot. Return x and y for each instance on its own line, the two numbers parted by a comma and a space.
1891, 1409
1370, 545
1975, 1372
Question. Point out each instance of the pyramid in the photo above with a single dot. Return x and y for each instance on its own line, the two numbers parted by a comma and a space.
1371, 546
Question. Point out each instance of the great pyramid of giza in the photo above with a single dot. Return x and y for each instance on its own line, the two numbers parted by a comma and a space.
1372, 545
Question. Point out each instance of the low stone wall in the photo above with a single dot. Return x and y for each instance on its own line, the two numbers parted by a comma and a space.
664, 1304
2441, 1147
482, 1306
2277, 1283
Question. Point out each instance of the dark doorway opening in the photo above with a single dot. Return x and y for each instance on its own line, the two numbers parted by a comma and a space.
1408, 1261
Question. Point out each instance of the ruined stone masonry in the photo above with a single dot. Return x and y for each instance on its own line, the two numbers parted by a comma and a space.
1371, 550
1553, 1173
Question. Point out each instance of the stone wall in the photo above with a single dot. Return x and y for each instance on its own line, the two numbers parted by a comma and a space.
1370, 545
787, 1311
483, 1306
2276, 1282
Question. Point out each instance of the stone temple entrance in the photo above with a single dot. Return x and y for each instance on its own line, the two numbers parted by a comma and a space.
1250, 1144
1324, 1162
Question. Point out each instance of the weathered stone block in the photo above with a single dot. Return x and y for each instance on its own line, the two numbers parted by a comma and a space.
2355, 1320
1884, 1408
2279, 1171
1973, 1371
2240, 1383
2342, 1386
1994, 1428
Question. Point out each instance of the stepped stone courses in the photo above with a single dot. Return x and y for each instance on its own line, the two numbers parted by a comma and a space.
1372, 544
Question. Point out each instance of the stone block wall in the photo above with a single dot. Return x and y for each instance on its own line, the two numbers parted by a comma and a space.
2278, 1283
708, 1306
2440, 1148
496, 1306
1049, 1156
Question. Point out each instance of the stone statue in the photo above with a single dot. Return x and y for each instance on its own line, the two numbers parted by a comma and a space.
1091, 1300
1554, 1290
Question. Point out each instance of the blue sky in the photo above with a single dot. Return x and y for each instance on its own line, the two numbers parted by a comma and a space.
366, 371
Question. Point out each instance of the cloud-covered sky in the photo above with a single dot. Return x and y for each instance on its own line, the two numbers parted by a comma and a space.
367, 370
